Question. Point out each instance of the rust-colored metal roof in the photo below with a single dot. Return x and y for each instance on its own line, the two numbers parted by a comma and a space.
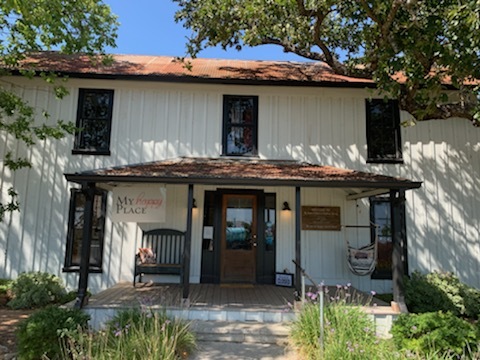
227, 171
212, 70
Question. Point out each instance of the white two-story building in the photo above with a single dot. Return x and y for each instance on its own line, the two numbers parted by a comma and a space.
259, 162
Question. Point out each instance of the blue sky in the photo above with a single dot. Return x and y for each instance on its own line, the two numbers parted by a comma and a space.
147, 27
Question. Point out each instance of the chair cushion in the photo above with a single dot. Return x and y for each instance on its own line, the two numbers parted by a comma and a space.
146, 256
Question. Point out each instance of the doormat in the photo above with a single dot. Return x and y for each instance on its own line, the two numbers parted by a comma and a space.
238, 286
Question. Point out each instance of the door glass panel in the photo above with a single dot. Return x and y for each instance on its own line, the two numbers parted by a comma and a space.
382, 218
269, 222
239, 218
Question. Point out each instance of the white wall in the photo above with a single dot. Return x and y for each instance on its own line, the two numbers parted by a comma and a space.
155, 121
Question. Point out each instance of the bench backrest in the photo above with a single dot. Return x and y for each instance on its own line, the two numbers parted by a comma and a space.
167, 244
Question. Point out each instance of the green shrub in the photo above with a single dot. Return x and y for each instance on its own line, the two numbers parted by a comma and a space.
436, 332
388, 297
471, 299
70, 296
348, 334
35, 289
135, 334
305, 332
40, 336
444, 291
4, 285
4, 292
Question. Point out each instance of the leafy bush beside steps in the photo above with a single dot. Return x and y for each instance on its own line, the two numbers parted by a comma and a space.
441, 291
36, 289
42, 334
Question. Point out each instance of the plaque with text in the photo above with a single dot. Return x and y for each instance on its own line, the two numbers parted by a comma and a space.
321, 218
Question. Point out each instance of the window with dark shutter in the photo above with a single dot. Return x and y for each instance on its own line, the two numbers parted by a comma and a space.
383, 131
240, 125
94, 122
75, 231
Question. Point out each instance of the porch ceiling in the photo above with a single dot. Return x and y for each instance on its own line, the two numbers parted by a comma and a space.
254, 172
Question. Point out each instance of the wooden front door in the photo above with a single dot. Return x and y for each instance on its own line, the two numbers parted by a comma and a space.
238, 238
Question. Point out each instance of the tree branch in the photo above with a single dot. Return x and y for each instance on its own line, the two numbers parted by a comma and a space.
462, 109
303, 11
288, 47
391, 17
329, 58
369, 11
384, 26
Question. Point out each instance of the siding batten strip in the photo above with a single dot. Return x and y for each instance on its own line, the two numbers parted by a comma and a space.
298, 244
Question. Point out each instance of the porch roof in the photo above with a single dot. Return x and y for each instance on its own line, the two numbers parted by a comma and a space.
228, 171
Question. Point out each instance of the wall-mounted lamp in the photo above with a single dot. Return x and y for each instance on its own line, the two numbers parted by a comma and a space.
194, 204
286, 207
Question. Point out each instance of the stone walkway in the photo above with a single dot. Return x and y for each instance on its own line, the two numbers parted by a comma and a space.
238, 351
9, 320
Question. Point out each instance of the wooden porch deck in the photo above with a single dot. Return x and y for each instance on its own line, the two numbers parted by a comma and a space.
214, 302
202, 296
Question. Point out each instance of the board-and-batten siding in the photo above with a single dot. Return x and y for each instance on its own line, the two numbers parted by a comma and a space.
446, 210
154, 121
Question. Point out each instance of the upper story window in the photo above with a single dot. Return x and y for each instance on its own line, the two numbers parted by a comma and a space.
240, 125
383, 131
75, 231
94, 121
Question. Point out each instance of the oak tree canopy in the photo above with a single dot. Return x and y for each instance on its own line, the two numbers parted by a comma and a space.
27, 27
415, 50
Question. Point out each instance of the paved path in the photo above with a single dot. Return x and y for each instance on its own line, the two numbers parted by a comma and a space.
9, 320
240, 351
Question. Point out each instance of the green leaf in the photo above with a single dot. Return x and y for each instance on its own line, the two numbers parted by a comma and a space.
28, 26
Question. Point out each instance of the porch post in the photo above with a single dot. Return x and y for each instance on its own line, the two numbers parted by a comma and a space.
298, 245
88, 190
188, 245
397, 201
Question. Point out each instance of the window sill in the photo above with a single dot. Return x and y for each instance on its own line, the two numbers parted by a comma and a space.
92, 269
380, 276
90, 152
385, 161
243, 156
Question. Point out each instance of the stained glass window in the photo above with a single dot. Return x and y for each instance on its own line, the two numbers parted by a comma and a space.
240, 125
94, 119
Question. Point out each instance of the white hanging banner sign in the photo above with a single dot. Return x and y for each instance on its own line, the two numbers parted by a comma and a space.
139, 204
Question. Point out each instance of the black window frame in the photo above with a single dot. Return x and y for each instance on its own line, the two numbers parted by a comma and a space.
98, 226
227, 99
390, 131
79, 147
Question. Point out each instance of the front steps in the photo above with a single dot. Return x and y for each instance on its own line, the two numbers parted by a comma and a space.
100, 315
222, 340
241, 332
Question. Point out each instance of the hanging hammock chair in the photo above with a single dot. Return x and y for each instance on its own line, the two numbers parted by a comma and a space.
362, 261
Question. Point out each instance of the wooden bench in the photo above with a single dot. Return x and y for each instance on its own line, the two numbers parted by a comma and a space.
168, 247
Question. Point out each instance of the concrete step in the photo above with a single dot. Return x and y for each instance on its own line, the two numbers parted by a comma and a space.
241, 332
233, 314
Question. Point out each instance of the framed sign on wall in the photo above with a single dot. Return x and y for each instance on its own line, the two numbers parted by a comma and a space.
139, 204
325, 218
